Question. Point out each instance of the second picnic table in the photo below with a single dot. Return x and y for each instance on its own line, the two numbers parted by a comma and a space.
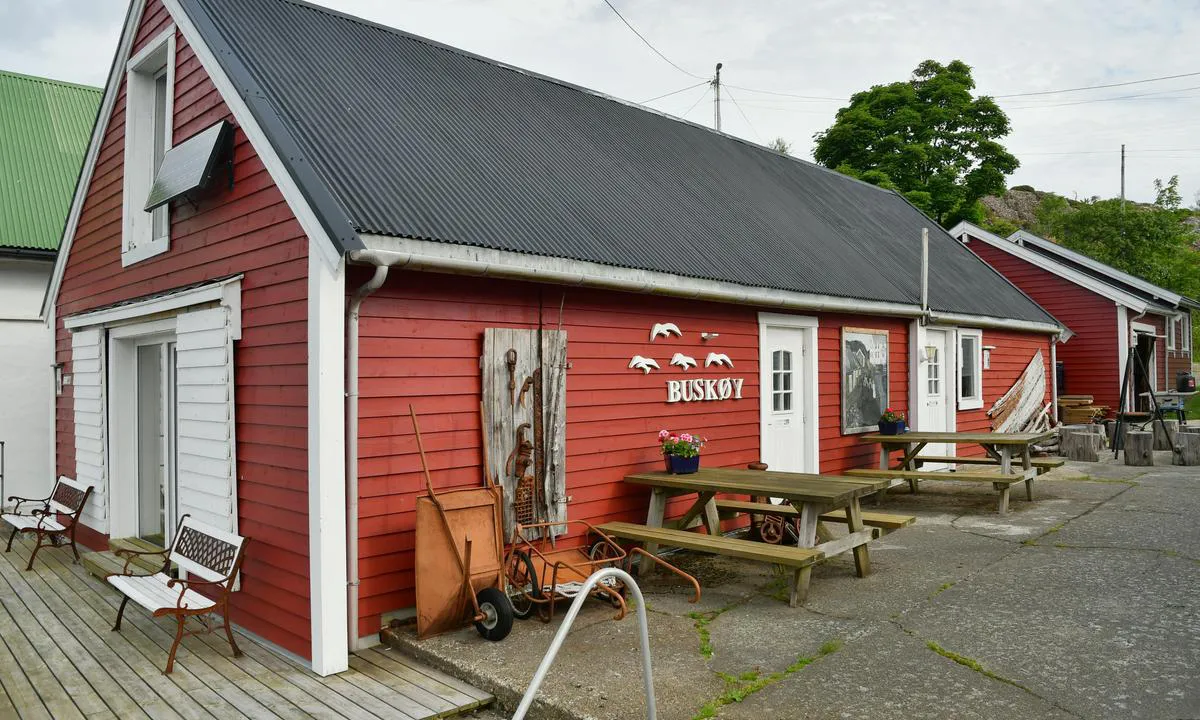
809, 495
1003, 449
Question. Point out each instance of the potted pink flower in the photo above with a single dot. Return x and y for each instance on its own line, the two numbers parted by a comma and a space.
891, 422
681, 452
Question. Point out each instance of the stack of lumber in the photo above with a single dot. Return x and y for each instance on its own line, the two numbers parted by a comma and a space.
1079, 409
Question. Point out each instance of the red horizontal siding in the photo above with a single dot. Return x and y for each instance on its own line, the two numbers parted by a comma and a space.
248, 230
421, 343
1090, 358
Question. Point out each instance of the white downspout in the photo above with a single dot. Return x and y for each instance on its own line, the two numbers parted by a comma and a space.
376, 282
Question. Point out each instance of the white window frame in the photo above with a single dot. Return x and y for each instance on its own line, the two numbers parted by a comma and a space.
1185, 330
137, 228
1171, 320
972, 402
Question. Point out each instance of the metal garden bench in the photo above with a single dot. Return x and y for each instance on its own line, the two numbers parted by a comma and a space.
56, 518
213, 555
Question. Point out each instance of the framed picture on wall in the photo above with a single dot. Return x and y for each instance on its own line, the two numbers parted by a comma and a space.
864, 378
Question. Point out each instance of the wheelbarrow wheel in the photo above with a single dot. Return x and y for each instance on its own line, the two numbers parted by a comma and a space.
600, 552
523, 585
498, 614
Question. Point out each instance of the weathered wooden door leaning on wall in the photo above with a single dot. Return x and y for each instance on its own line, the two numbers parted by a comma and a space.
524, 394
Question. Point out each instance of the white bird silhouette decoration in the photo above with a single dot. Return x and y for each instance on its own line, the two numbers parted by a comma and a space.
718, 359
683, 361
664, 329
643, 363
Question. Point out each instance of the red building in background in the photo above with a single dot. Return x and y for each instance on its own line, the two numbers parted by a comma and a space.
1107, 311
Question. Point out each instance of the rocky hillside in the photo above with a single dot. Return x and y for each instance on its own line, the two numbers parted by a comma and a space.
1018, 208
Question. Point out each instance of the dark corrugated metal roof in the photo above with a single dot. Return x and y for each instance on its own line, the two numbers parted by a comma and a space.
44, 129
415, 139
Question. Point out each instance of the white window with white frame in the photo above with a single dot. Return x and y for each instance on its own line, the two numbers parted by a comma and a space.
149, 108
970, 369
1171, 323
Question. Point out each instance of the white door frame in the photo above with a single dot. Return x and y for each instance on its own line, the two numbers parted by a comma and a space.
917, 388
810, 405
1144, 329
123, 342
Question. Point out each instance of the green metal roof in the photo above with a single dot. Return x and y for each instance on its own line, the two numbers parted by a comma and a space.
45, 126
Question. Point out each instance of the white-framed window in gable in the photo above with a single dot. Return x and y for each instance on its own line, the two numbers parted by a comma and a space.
970, 369
149, 109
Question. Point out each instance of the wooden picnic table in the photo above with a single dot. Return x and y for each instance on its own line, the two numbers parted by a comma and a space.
810, 495
1003, 448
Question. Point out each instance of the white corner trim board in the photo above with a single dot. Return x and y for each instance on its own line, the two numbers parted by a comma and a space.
328, 569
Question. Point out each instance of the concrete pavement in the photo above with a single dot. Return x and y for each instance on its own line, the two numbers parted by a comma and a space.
1080, 604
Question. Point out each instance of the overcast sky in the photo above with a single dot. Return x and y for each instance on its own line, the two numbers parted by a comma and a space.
1066, 142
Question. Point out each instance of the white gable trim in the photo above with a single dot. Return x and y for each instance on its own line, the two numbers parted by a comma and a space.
1025, 237
318, 239
103, 117
1050, 265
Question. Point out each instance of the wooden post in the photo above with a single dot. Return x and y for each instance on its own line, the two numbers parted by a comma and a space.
1139, 447
1164, 434
1188, 448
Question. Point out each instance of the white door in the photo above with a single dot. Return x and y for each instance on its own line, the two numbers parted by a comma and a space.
785, 362
937, 360
155, 440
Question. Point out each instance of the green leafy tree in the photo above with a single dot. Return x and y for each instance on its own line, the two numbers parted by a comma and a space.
780, 145
1167, 195
928, 138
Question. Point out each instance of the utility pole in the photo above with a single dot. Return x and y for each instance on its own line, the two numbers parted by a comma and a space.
716, 84
1122, 177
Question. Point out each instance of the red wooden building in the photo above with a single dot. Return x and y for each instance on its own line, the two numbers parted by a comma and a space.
1108, 312
292, 224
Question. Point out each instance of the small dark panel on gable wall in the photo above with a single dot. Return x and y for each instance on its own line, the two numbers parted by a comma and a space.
191, 165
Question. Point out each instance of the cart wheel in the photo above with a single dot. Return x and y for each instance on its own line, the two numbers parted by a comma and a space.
599, 552
770, 530
498, 620
523, 585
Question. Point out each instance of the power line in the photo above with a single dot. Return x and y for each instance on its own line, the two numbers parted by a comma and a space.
693, 107
647, 43
733, 100
674, 92
1098, 87
1107, 99
811, 98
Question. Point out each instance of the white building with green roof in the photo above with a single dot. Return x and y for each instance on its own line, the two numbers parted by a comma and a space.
44, 130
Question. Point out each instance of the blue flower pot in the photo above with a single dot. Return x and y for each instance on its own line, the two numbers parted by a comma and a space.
891, 428
682, 465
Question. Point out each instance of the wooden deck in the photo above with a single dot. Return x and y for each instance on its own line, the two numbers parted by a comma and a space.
59, 658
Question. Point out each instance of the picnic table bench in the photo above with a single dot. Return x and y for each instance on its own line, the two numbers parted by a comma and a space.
808, 495
885, 522
211, 554
1002, 449
799, 559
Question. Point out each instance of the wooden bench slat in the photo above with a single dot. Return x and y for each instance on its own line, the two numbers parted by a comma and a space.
718, 544
939, 475
874, 519
1046, 462
152, 593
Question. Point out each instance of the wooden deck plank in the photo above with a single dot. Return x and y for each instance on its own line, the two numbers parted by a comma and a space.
66, 644
52, 692
432, 704
433, 674
140, 632
50, 619
125, 660
18, 688
244, 694
444, 692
